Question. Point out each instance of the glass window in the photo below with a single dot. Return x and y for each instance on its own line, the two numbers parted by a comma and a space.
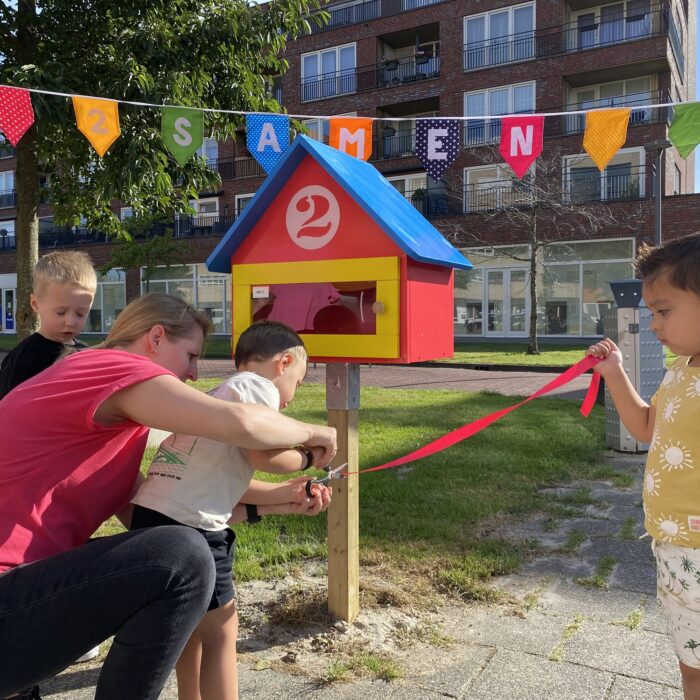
597, 295
560, 299
468, 304
328, 72
209, 150
7, 181
614, 249
110, 299
213, 298
508, 99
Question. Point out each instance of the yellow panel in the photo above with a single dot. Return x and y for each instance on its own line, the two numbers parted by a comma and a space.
384, 344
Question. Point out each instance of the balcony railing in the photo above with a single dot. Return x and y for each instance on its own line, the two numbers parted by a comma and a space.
615, 183
494, 52
482, 131
577, 122
498, 194
358, 12
8, 199
393, 144
386, 74
230, 168
6, 150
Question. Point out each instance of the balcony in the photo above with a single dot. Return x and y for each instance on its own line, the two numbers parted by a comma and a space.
358, 12
618, 182
8, 199
7, 151
576, 123
500, 50
231, 168
399, 71
497, 194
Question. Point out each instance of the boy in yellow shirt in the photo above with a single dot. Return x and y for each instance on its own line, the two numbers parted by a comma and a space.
671, 290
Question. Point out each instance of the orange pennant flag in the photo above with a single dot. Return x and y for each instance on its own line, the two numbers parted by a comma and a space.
98, 121
351, 135
605, 135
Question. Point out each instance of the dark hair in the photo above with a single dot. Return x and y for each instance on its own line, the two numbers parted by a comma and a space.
264, 340
679, 258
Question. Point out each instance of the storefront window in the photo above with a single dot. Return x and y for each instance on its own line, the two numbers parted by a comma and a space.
110, 299
597, 295
559, 303
468, 304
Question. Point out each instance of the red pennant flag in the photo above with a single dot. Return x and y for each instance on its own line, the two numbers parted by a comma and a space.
16, 113
521, 142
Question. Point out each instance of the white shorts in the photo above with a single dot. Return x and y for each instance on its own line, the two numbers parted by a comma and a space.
678, 590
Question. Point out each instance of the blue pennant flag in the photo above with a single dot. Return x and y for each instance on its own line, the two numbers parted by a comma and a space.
267, 138
437, 144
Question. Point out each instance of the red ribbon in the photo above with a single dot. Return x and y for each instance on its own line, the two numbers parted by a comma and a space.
466, 431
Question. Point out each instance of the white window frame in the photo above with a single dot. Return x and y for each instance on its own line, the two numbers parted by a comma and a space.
509, 49
126, 213
242, 197
203, 150
635, 156
196, 204
574, 43
7, 177
343, 81
492, 127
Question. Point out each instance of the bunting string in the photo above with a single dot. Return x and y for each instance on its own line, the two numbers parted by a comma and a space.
437, 143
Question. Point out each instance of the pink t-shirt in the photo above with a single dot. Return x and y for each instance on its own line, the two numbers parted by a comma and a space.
61, 473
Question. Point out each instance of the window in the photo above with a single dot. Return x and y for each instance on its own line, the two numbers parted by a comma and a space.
398, 138
328, 73
209, 150
7, 189
6, 150
508, 99
501, 36
610, 24
242, 201
110, 299
319, 129
126, 213
621, 93
7, 234
623, 178
205, 207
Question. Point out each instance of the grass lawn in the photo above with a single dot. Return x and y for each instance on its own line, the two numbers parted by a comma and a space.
431, 517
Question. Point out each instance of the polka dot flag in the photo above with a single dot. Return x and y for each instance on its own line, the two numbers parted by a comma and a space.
437, 144
16, 113
267, 138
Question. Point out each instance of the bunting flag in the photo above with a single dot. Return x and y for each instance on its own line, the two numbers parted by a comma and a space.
605, 134
182, 131
98, 121
521, 142
685, 128
437, 144
16, 113
268, 138
351, 135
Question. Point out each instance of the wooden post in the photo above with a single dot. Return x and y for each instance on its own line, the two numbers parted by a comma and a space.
343, 403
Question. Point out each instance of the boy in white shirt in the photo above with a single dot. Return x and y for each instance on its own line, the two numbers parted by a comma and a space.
207, 485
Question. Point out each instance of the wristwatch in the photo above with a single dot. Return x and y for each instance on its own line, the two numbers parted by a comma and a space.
309, 456
252, 514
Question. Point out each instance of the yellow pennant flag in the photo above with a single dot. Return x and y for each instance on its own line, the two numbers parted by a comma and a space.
98, 120
351, 135
605, 135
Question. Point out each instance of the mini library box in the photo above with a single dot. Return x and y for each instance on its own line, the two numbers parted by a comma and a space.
329, 247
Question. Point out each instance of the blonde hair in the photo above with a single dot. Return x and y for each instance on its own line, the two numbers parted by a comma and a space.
64, 267
178, 318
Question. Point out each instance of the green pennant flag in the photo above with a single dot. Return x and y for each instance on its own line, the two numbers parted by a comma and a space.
685, 128
182, 131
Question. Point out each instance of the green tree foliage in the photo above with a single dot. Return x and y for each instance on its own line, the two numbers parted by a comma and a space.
216, 54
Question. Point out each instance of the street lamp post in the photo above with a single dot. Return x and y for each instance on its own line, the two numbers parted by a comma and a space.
657, 147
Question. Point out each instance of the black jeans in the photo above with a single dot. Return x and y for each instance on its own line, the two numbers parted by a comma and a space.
149, 588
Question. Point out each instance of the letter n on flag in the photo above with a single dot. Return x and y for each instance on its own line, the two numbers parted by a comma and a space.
267, 138
351, 135
521, 142
16, 113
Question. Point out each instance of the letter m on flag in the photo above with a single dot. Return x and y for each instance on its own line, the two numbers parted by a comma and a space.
521, 142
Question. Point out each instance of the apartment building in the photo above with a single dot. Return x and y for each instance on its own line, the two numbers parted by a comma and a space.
398, 60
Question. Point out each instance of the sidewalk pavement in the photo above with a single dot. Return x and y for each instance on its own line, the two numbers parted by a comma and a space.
556, 639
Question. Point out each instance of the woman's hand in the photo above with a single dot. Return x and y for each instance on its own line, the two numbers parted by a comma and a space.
324, 438
607, 351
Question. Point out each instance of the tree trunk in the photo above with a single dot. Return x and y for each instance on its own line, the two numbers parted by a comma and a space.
27, 230
27, 179
533, 346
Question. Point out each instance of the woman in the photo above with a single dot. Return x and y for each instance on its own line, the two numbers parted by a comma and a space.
72, 440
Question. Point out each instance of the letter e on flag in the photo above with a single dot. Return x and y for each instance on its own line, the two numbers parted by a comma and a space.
521, 142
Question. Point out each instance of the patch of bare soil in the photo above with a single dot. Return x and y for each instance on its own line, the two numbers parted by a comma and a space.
285, 624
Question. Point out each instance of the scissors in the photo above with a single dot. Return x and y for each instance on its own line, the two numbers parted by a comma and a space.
332, 474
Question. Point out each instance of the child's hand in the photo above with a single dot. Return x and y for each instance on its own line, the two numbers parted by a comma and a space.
609, 353
300, 502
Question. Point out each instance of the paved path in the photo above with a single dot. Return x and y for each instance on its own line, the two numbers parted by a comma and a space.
557, 639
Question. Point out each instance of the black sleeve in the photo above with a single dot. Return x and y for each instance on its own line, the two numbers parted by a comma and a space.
26, 360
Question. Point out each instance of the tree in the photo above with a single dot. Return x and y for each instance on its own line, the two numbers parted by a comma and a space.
536, 210
139, 251
218, 54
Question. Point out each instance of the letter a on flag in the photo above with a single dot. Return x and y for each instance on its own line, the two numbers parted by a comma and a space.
521, 142
182, 131
351, 135
605, 134
16, 113
98, 121
267, 138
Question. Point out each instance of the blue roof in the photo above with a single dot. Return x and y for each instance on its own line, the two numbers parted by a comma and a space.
385, 205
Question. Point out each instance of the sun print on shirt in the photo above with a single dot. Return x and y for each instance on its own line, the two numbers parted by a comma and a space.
670, 409
671, 529
669, 378
675, 456
652, 482
693, 391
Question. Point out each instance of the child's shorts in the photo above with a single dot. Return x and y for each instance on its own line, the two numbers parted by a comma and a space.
678, 590
221, 544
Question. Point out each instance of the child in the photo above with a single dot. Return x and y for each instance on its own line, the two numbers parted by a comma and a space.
199, 482
63, 289
671, 290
